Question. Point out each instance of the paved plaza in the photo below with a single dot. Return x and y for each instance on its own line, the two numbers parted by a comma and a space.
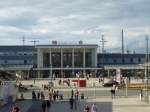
98, 95
103, 104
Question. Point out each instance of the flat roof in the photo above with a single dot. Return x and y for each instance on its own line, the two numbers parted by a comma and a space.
17, 48
68, 46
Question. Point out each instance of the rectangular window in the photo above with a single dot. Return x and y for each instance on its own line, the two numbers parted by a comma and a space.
131, 60
123, 60
139, 59
114, 60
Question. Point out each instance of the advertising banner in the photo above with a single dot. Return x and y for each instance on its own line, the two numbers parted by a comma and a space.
118, 75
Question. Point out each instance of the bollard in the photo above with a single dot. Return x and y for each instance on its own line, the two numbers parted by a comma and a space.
140, 97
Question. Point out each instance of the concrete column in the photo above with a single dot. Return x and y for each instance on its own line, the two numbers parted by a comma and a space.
50, 57
61, 59
39, 60
84, 57
84, 64
50, 61
73, 58
73, 61
95, 57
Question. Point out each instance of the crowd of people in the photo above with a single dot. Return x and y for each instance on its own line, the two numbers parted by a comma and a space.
93, 108
53, 95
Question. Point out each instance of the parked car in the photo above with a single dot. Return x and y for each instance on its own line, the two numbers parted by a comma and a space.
110, 83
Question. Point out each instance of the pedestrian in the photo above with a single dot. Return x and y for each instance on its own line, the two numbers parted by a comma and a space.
113, 91
33, 95
38, 95
71, 103
99, 80
86, 109
44, 106
57, 94
61, 96
54, 96
59, 82
72, 93
21, 96
42, 96
75, 103
48, 103
15, 108
94, 108
50, 96
76, 94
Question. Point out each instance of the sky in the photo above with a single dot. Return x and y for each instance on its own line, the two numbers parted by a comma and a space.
69, 21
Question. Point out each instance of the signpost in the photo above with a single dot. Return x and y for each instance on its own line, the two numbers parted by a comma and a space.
94, 90
126, 82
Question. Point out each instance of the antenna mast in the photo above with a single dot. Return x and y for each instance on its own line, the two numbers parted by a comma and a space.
34, 42
122, 42
103, 44
23, 40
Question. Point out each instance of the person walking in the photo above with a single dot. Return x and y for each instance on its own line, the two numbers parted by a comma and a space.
15, 108
54, 96
94, 108
38, 95
44, 106
113, 91
33, 95
57, 94
50, 96
76, 94
86, 109
72, 93
71, 103
42, 96
48, 104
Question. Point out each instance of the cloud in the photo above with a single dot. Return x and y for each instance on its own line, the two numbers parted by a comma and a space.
76, 20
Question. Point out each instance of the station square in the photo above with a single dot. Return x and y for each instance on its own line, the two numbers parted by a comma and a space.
74, 56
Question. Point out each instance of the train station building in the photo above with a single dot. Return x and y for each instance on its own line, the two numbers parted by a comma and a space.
66, 60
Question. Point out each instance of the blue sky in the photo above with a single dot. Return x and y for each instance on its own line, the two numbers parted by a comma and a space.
69, 21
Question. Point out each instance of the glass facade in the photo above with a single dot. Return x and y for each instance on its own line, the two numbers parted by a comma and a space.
56, 59
88, 59
46, 60
78, 59
67, 59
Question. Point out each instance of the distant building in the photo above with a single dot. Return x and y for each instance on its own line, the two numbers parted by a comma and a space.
120, 59
64, 60
17, 55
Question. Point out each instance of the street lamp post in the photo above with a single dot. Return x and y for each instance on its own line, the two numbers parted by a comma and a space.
146, 70
51, 72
